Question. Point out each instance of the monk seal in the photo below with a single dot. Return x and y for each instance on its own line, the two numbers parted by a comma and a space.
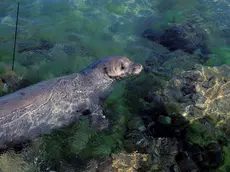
52, 104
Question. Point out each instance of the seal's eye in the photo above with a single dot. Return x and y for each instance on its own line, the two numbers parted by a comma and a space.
122, 66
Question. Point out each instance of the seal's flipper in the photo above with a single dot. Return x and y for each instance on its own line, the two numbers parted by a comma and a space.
98, 120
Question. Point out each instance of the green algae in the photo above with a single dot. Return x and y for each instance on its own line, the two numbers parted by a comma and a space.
221, 56
194, 133
172, 107
80, 137
198, 134
179, 5
2, 68
108, 142
226, 165
173, 16
59, 67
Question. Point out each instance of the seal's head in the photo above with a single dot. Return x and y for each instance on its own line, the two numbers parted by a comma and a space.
118, 67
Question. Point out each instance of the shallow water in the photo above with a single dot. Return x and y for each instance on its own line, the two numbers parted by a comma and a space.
75, 33
102, 27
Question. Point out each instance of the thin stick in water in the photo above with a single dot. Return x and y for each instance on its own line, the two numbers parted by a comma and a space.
15, 37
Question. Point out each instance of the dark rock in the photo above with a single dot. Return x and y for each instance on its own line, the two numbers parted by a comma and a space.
46, 45
185, 163
151, 34
33, 46
163, 151
69, 50
213, 156
186, 37
26, 46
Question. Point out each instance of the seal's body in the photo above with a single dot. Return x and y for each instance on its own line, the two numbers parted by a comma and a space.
52, 104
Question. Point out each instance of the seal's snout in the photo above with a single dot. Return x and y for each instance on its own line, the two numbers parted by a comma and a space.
137, 68
118, 67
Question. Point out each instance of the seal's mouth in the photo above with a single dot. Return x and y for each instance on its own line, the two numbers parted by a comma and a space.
134, 70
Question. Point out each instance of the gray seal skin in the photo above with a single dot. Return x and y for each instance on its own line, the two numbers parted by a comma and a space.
55, 103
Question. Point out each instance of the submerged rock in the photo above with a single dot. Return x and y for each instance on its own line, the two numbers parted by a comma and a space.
163, 151
213, 155
186, 36
194, 93
34, 46
202, 91
129, 162
184, 163
117, 162
203, 157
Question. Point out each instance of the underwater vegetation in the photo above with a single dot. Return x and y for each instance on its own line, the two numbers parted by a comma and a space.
82, 36
220, 56
163, 6
175, 11
198, 134
226, 166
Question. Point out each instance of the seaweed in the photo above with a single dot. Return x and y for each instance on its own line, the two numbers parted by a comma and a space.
173, 16
198, 134
226, 165
108, 142
220, 56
